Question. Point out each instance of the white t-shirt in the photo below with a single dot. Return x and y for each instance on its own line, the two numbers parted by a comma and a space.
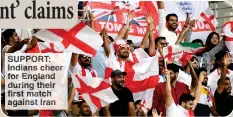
170, 36
176, 111
215, 76
204, 98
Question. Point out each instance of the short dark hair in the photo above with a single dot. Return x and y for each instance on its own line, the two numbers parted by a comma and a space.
175, 68
199, 70
185, 97
137, 102
170, 15
110, 38
227, 78
220, 55
158, 39
129, 42
80, 103
198, 41
7, 34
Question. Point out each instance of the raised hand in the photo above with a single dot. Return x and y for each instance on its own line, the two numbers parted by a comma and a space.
202, 76
150, 27
130, 16
149, 19
187, 21
155, 114
91, 16
227, 59
167, 75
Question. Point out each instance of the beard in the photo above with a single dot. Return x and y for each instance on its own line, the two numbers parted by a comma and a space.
172, 28
124, 55
204, 83
85, 64
86, 113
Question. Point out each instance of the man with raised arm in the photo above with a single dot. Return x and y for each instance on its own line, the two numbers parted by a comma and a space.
168, 25
223, 99
187, 103
122, 53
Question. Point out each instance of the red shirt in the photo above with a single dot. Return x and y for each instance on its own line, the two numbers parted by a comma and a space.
159, 96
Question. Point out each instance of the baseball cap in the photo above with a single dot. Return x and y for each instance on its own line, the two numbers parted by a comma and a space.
117, 73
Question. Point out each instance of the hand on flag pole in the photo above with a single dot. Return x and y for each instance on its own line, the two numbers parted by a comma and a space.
189, 24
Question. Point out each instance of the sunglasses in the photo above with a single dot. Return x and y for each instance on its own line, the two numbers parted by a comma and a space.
84, 56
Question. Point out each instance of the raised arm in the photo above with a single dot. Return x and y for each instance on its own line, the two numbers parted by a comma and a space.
71, 97
169, 98
132, 109
151, 25
127, 33
151, 44
124, 28
106, 111
145, 38
194, 76
162, 18
91, 22
198, 90
187, 27
197, 93
106, 45
227, 62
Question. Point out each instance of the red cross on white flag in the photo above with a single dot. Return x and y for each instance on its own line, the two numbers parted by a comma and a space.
208, 17
81, 39
95, 91
228, 32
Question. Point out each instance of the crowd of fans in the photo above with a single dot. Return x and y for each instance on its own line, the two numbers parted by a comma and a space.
171, 98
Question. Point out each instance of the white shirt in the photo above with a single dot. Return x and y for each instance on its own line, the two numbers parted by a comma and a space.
176, 111
170, 36
214, 77
204, 99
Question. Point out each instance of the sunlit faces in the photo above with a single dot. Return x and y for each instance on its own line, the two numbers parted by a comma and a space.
188, 105
119, 80
172, 23
84, 60
123, 51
